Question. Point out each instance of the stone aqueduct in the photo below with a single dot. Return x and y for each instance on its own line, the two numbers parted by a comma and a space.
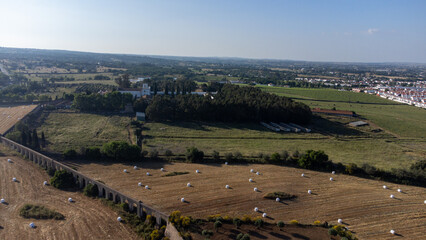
104, 191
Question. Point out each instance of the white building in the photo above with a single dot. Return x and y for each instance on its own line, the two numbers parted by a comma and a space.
138, 92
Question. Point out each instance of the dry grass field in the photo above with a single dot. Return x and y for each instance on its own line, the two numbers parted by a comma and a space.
86, 218
9, 116
365, 207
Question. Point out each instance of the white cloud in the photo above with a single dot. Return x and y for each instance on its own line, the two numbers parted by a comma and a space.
372, 31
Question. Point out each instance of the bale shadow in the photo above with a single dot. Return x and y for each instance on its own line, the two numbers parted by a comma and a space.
5, 203
399, 235
270, 218
283, 202
1, 227
345, 223
187, 202
257, 235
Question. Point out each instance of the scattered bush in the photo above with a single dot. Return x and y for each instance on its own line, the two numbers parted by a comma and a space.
39, 212
243, 236
259, 223
216, 155
194, 155
317, 222
91, 190
275, 158
294, 222
120, 150
280, 224
238, 156
229, 157
168, 153
281, 195
70, 154
237, 222
207, 233
62, 180
217, 225
332, 232
50, 171
93, 153
314, 160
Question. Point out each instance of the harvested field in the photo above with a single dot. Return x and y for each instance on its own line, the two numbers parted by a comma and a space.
86, 218
365, 207
9, 116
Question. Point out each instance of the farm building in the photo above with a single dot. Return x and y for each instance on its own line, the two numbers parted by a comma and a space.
358, 124
334, 112
138, 92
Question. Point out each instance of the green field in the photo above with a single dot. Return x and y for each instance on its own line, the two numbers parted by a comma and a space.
65, 130
400, 119
79, 78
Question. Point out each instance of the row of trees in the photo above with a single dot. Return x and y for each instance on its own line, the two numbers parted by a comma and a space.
23, 135
113, 101
231, 104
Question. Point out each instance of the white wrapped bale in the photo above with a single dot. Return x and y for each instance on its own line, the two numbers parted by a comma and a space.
140, 184
425, 201
148, 174
303, 175
257, 173
32, 225
14, 180
333, 172
227, 186
125, 170
277, 199
9, 160
399, 190
188, 185
250, 180
70, 200
119, 219
392, 232
385, 187
45, 183
264, 215
252, 170
255, 189
197, 171
309, 191
182, 199
392, 196
162, 169
2, 200
146, 187
256, 209
331, 179
340, 221
226, 163
135, 167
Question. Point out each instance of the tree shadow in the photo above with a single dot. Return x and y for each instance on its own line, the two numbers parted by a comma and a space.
280, 236
297, 235
257, 235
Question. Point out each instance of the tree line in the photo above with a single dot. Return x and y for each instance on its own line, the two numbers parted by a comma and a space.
113, 101
231, 104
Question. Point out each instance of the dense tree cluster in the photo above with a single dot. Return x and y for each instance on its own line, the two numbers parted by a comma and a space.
113, 101
23, 135
231, 104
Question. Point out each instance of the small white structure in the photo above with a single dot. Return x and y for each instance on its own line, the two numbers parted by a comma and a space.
257, 173
2, 200
14, 179
331, 179
277, 199
226, 163
250, 180
399, 190
125, 170
146, 187
392, 232
9, 160
252, 170
255, 189
197, 171
333, 172
119, 219
227, 186
264, 215
148, 174
32, 225
140, 184
70, 200
162, 169
182, 199
425, 201
135, 167
188, 185
303, 175
309, 192
340, 221
392, 196
45, 183
256, 209
384, 187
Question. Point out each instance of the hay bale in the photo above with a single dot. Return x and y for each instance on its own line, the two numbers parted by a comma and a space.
146, 187
2, 200
188, 185
392, 196
250, 180
340, 221
162, 169
303, 175
255, 189
9, 160
264, 215
385, 187
197, 171
135, 167
333, 172
119, 219
140, 184
45, 183
309, 191
148, 174
14, 180
256, 209
399, 190
331, 179
125, 170
257, 173
182, 199
32, 225
226, 163
252, 170
70, 200
392, 232
425, 201
277, 199
227, 186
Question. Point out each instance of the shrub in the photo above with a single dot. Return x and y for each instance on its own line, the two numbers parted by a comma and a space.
50, 171
317, 222
275, 158
237, 222
238, 156
246, 219
125, 206
185, 221
39, 212
207, 233
332, 232
194, 155
314, 160
155, 235
62, 180
281, 195
144, 153
351, 168
294, 222
216, 155
168, 153
229, 157
258, 223
175, 217
280, 224
120, 150
70, 154
93, 153
217, 225
91, 190
266, 157
212, 218
243, 236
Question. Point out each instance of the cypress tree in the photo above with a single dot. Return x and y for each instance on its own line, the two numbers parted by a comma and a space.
36, 143
43, 140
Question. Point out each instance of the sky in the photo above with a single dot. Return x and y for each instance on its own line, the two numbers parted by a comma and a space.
312, 30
